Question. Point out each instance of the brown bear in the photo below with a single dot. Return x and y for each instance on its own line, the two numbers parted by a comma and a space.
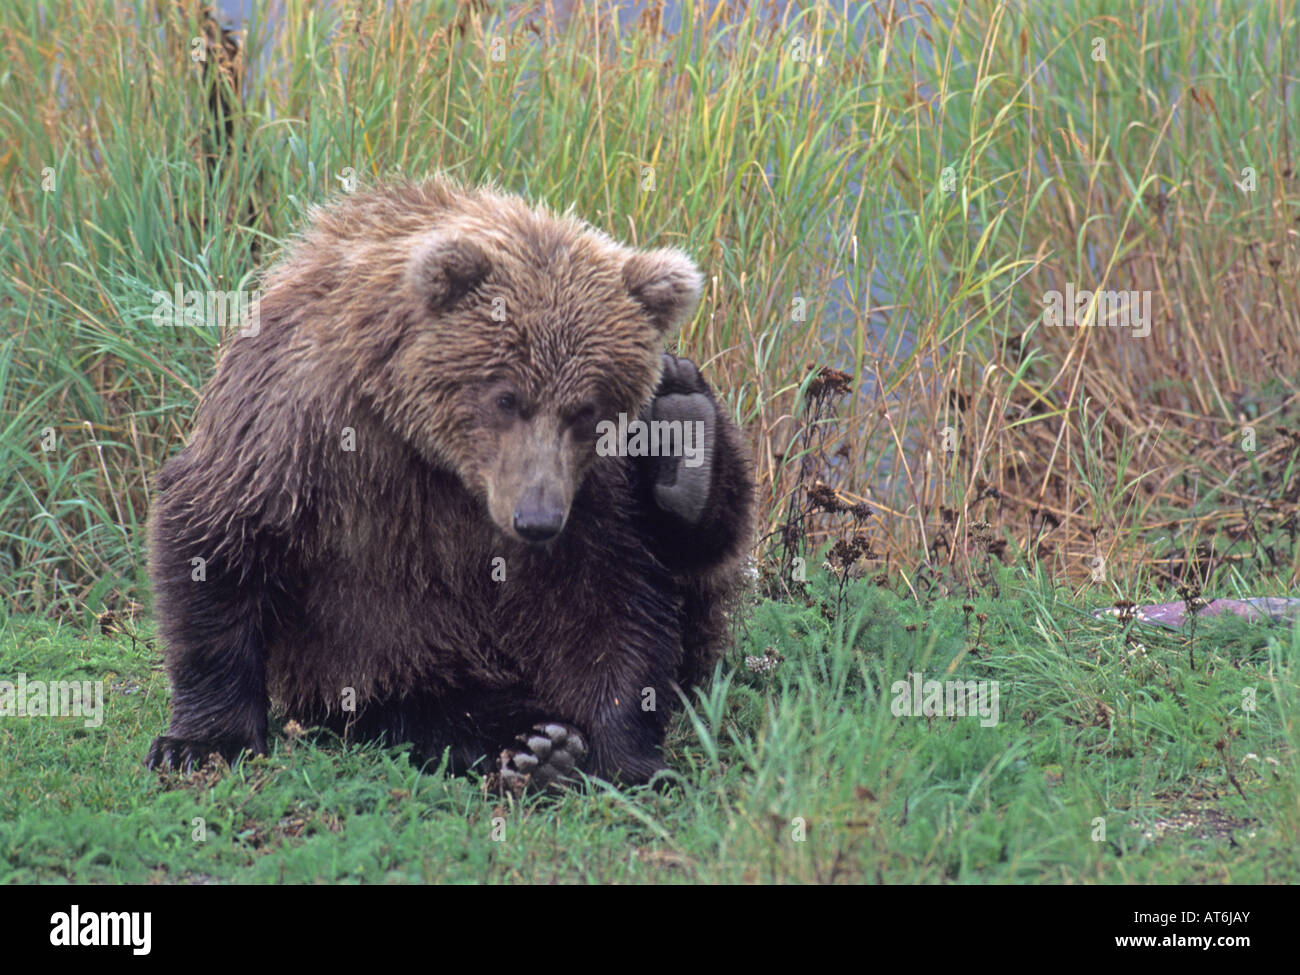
451, 491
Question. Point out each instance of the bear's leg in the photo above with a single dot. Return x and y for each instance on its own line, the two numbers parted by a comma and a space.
215, 650
219, 700
607, 670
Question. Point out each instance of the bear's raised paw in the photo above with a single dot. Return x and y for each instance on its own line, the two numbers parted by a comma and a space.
545, 759
682, 484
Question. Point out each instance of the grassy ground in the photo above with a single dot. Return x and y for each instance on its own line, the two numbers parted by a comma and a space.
797, 773
885, 189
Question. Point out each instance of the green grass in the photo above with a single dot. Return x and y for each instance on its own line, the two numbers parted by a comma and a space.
1091, 728
884, 189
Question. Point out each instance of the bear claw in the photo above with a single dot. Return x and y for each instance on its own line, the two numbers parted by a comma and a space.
181, 754
680, 375
548, 755
187, 754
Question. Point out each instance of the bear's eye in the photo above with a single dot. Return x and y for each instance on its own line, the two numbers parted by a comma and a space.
585, 417
507, 403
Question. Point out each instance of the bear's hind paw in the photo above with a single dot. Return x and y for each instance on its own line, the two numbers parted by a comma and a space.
544, 760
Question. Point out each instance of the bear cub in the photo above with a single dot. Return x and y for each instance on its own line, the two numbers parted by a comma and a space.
448, 489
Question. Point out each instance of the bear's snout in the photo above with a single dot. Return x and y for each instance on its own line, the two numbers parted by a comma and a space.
538, 518
532, 479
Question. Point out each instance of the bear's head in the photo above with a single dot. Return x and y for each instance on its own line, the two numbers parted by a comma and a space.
523, 331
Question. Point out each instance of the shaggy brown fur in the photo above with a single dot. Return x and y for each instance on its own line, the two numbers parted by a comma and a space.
396, 495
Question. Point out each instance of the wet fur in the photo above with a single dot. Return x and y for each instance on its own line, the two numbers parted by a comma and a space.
372, 569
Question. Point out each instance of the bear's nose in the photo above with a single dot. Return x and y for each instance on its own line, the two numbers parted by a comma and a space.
537, 524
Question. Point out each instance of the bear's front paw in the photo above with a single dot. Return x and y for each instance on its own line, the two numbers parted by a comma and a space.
188, 754
683, 477
544, 759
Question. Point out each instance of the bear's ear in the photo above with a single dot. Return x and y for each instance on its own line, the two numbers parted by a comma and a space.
444, 268
666, 283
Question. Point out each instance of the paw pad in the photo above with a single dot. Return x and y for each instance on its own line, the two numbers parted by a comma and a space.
543, 759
